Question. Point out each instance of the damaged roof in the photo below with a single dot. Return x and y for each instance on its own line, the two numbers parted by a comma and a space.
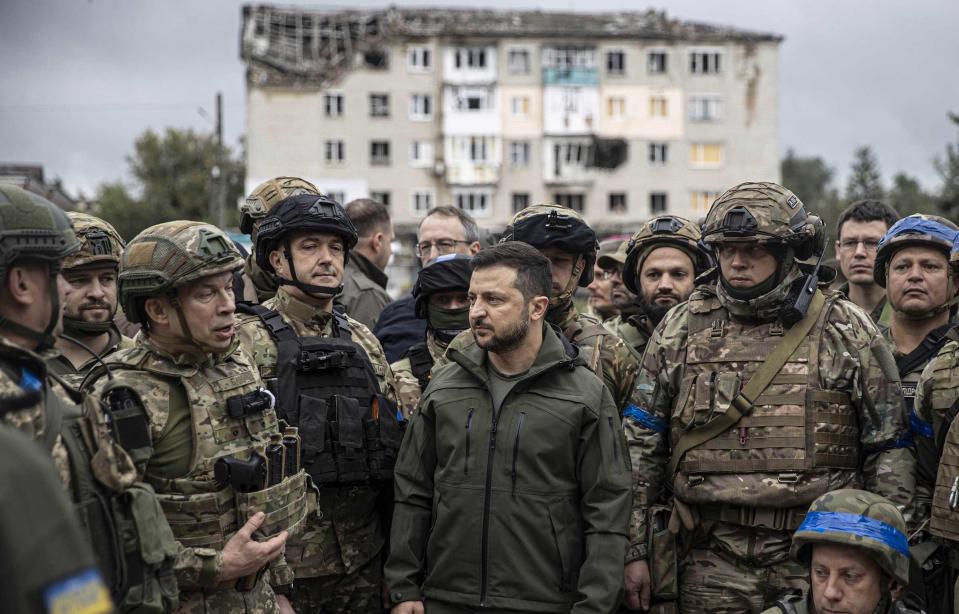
294, 45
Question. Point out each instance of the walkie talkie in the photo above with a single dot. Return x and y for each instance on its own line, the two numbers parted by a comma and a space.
797, 311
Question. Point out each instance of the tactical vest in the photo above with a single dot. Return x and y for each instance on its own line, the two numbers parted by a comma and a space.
327, 387
944, 521
421, 363
911, 365
783, 454
589, 339
232, 420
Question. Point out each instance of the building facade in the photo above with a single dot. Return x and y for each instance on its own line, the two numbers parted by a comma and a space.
620, 116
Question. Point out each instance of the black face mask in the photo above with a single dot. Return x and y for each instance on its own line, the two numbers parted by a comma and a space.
447, 323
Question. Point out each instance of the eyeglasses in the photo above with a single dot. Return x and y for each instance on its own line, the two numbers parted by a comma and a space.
443, 246
609, 274
850, 245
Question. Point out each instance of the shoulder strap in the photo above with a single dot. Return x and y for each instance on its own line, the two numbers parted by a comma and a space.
742, 403
925, 351
279, 330
421, 362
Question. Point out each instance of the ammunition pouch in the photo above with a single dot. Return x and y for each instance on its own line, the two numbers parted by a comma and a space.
243, 475
287, 505
663, 558
201, 520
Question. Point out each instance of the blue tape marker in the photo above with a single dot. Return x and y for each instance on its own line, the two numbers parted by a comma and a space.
645, 418
29, 380
854, 524
919, 426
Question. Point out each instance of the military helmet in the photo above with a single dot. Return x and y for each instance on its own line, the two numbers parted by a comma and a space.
859, 519
548, 225
766, 213
32, 228
169, 255
266, 195
302, 212
100, 243
914, 230
663, 231
448, 272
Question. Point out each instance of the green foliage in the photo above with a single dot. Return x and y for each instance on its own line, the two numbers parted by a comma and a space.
948, 169
810, 178
173, 180
865, 180
908, 197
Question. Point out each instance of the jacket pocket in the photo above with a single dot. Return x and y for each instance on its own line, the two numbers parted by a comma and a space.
567, 537
469, 435
519, 431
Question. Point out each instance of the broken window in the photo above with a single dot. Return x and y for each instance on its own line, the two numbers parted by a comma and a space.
472, 99
615, 62
379, 153
576, 202
608, 153
520, 201
334, 152
518, 61
658, 153
658, 202
617, 202
704, 62
377, 59
421, 106
379, 105
419, 59
656, 63
333, 105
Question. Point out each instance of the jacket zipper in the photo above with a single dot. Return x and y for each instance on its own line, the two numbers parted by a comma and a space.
469, 430
519, 427
484, 572
612, 429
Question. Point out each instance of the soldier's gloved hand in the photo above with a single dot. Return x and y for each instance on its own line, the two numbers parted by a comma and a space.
243, 556
408, 607
636, 576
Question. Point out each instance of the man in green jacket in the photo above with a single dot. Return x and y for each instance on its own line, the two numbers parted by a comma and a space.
512, 484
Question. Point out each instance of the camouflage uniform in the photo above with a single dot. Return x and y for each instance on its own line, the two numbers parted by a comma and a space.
831, 418
337, 559
59, 364
860, 520
203, 408
408, 386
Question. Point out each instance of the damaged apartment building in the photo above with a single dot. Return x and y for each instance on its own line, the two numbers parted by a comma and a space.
620, 116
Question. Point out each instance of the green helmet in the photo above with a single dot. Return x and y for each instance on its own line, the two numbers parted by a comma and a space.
33, 228
663, 231
100, 244
266, 195
914, 230
169, 255
766, 213
859, 519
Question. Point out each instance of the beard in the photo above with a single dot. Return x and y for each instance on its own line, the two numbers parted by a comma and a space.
653, 310
511, 337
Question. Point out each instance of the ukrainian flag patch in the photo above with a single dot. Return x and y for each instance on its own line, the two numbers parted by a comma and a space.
82, 593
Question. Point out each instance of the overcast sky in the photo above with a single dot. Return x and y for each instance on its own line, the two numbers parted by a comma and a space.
79, 80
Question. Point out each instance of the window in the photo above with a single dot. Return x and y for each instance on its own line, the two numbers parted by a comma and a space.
700, 202
478, 149
576, 202
704, 108
473, 202
377, 59
381, 197
617, 202
658, 202
519, 153
473, 99
421, 154
472, 148
616, 107
334, 152
569, 57
517, 61
519, 106
419, 59
705, 154
379, 153
470, 57
422, 200
333, 105
379, 105
338, 196
421, 106
704, 62
658, 106
656, 63
658, 154
615, 62
520, 201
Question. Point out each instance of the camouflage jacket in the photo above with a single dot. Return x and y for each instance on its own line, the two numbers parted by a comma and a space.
852, 359
22, 370
408, 388
61, 365
635, 332
348, 533
881, 314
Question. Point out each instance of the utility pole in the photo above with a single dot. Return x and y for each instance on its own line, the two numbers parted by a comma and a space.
218, 200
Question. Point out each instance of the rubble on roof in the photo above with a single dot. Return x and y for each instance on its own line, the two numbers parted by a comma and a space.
315, 47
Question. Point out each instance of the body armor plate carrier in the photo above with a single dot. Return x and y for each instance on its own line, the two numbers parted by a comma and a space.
326, 386
421, 363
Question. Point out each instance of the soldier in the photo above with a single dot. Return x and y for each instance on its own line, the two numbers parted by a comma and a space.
860, 227
134, 550
853, 545
440, 295
333, 382
254, 208
601, 288
364, 280
660, 265
89, 309
758, 394
208, 447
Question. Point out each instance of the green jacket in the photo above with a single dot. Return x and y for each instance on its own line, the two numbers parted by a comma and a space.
524, 510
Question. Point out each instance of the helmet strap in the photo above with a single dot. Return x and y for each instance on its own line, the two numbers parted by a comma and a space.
566, 295
77, 326
321, 292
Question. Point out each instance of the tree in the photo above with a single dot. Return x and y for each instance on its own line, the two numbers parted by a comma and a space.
948, 169
173, 178
865, 180
908, 197
810, 178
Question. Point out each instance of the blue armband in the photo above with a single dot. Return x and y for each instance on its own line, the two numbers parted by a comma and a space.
29, 380
919, 426
645, 418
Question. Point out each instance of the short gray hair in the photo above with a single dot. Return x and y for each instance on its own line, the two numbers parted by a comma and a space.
470, 229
